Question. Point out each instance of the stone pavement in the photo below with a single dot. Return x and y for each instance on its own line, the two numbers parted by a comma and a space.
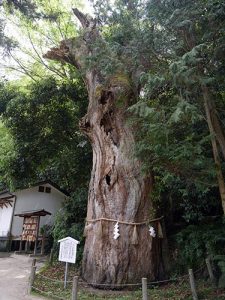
14, 274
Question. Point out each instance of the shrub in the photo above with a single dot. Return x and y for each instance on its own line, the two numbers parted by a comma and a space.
196, 242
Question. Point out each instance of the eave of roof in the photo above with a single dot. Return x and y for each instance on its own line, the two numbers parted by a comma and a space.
57, 187
31, 213
4, 192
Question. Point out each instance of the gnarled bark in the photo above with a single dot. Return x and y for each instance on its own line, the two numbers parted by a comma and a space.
118, 190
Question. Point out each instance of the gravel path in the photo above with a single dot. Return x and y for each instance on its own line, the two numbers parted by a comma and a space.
14, 274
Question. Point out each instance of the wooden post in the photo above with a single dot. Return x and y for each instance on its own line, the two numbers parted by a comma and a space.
192, 283
51, 257
36, 239
26, 246
32, 277
66, 275
75, 288
43, 245
144, 289
34, 262
210, 271
21, 245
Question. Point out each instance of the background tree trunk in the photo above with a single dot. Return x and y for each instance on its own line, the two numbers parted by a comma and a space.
118, 190
214, 120
209, 117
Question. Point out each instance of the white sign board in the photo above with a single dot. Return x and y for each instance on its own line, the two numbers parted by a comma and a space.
68, 250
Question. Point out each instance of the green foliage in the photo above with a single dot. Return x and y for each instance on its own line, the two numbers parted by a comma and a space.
174, 143
40, 132
26, 7
7, 93
165, 51
173, 137
197, 242
7, 154
43, 121
70, 219
40, 139
32, 32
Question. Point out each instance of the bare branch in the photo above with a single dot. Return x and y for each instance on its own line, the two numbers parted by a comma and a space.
25, 70
62, 53
20, 71
67, 51
40, 60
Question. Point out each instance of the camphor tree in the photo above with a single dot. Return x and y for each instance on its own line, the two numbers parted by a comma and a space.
118, 189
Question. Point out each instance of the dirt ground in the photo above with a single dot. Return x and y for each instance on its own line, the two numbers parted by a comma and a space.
14, 274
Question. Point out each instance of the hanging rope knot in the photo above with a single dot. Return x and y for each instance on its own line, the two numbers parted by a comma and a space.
153, 231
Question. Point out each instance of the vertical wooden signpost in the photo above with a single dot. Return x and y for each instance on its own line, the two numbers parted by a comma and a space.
67, 253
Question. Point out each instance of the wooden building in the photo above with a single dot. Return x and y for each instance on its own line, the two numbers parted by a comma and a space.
43, 196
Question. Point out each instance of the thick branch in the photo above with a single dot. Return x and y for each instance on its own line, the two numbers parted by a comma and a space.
62, 54
72, 50
85, 20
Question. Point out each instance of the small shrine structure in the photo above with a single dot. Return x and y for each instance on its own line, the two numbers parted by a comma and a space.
41, 195
30, 231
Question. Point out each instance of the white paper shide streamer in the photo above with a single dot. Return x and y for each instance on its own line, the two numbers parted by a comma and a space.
152, 231
116, 233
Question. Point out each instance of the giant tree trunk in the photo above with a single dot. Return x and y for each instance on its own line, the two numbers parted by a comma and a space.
118, 190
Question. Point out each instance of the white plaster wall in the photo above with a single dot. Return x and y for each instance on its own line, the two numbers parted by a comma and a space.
32, 199
5, 219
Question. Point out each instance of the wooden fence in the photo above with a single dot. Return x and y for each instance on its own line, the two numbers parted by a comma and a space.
144, 284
